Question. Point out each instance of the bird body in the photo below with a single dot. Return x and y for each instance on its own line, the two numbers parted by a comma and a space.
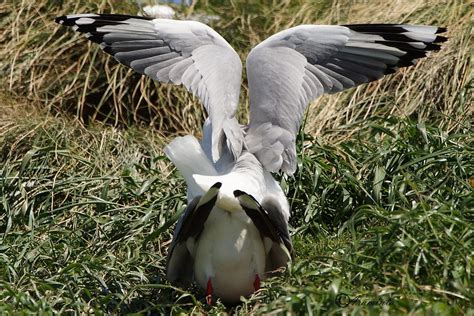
230, 253
234, 230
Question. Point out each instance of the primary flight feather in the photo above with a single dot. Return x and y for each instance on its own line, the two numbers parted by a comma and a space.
234, 231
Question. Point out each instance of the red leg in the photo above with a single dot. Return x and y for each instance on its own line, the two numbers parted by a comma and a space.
209, 292
256, 283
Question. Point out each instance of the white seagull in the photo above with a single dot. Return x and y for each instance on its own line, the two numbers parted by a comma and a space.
234, 231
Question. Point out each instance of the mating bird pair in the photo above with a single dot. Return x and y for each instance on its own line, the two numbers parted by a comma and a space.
234, 231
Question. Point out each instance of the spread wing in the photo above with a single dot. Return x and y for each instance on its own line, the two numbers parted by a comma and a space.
179, 52
293, 67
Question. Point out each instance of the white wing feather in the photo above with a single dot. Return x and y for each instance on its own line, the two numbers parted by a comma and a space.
179, 52
293, 67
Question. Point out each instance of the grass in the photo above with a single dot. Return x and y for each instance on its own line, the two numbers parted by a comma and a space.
382, 201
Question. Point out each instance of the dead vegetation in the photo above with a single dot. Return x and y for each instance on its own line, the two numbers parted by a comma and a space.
56, 69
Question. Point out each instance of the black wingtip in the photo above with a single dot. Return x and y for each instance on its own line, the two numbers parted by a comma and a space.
390, 70
104, 18
238, 193
217, 185
440, 39
64, 20
431, 46
60, 19
441, 30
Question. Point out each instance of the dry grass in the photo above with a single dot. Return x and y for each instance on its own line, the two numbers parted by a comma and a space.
57, 69
382, 209
436, 89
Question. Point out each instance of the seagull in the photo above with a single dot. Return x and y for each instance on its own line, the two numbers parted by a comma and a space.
234, 231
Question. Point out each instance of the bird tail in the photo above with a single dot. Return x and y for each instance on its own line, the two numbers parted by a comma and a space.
228, 134
189, 158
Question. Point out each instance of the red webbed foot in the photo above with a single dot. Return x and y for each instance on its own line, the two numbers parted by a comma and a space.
209, 291
256, 283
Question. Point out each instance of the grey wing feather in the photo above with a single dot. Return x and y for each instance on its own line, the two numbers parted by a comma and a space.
271, 224
291, 68
180, 261
276, 216
179, 52
179, 264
